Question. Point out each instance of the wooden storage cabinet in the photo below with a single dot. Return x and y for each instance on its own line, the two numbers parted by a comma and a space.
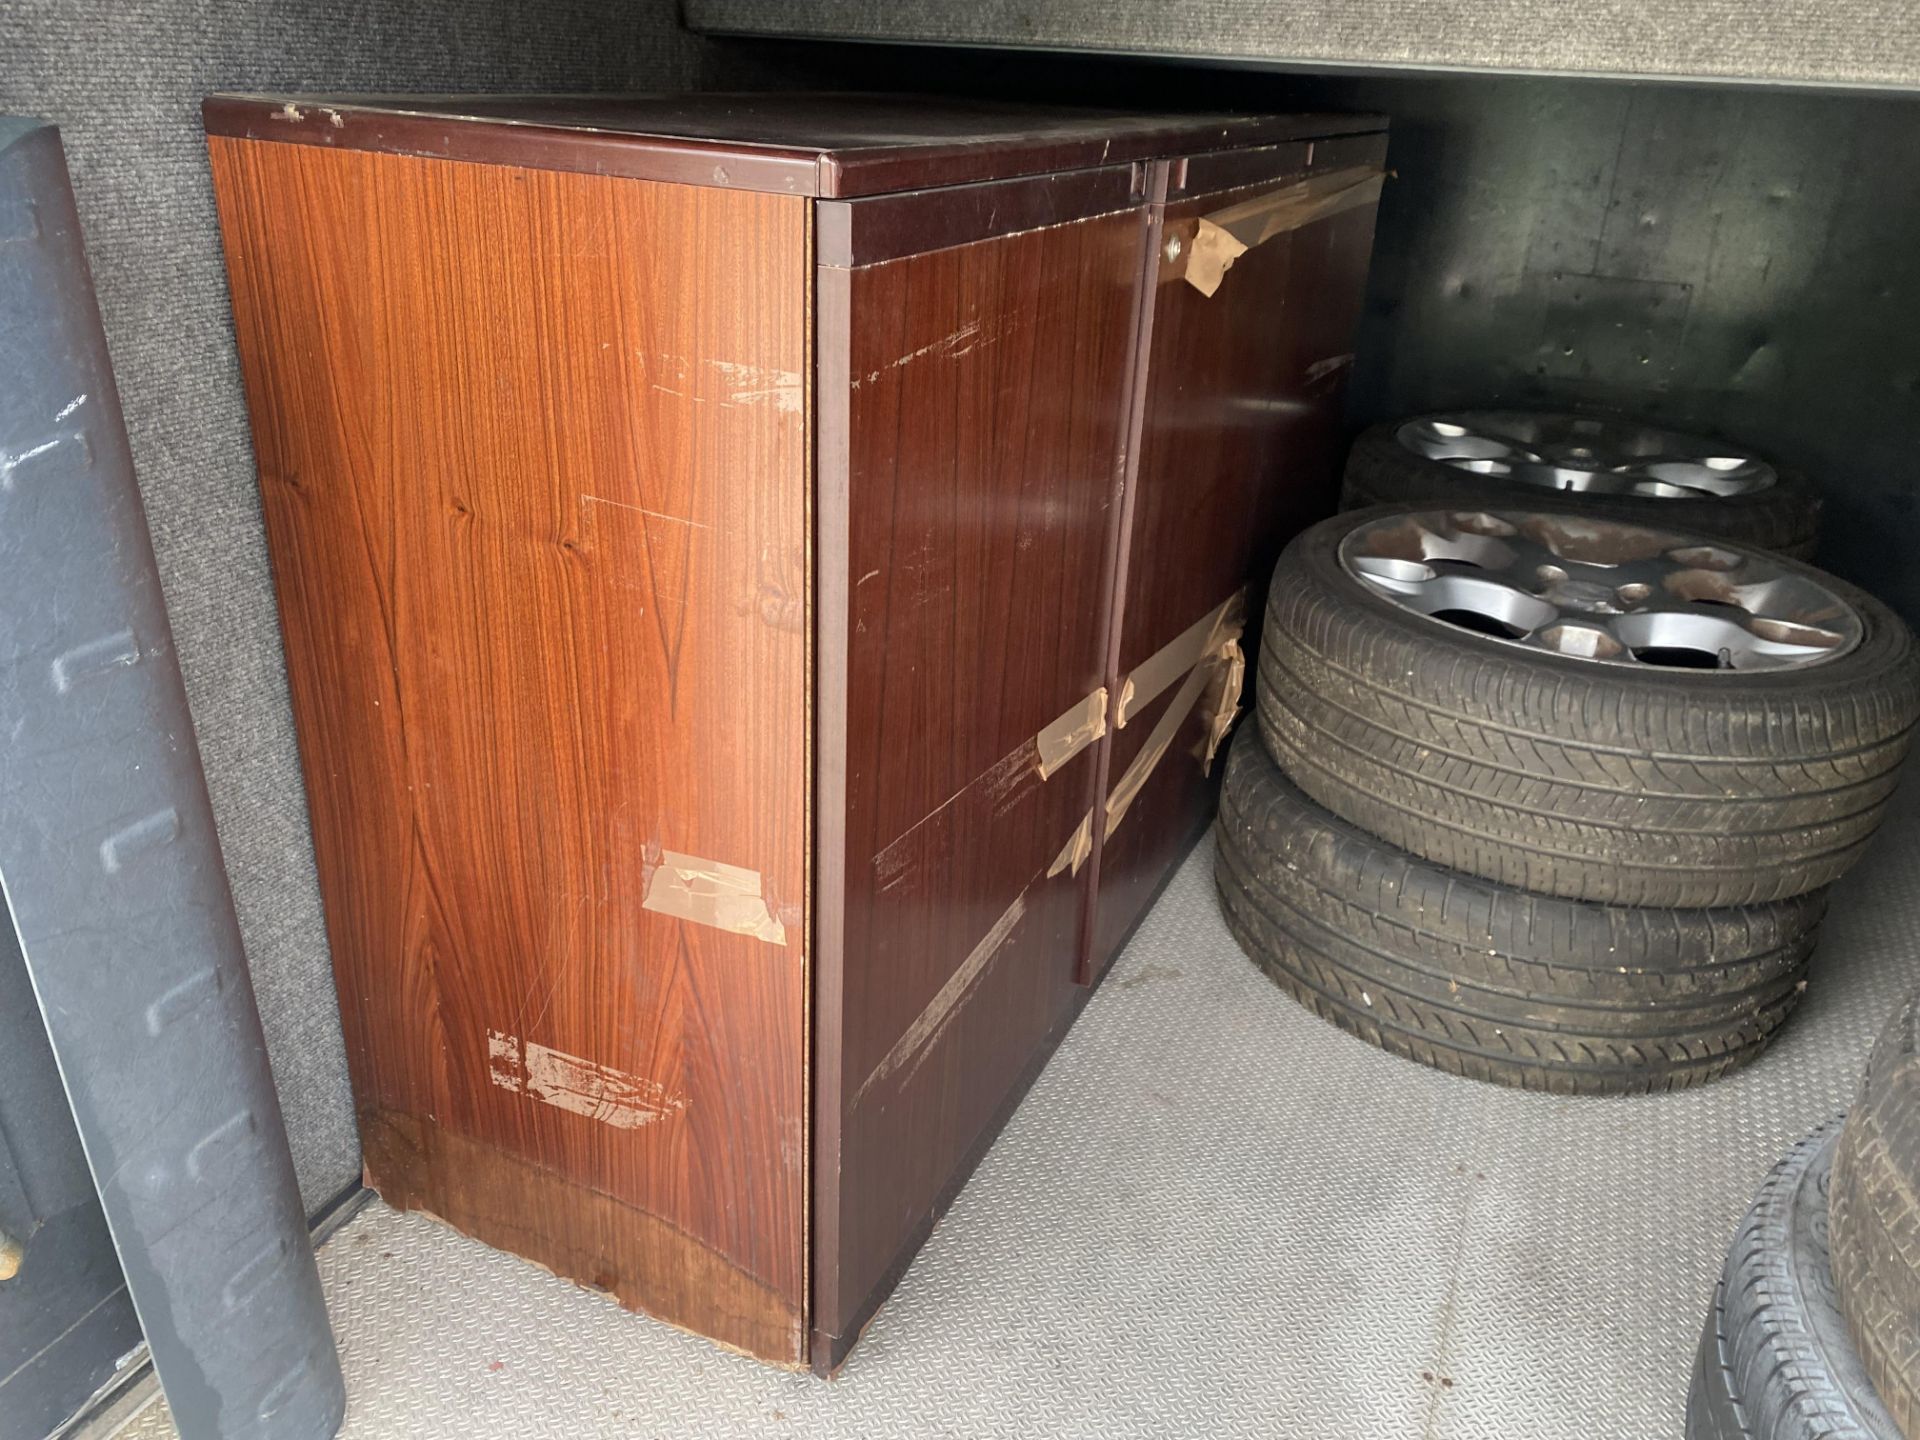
714, 537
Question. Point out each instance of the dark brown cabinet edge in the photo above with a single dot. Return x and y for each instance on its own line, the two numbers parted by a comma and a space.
672, 159
832, 324
850, 173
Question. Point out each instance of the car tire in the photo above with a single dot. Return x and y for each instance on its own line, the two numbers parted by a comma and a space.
1876, 1217
1775, 1359
1629, 784
1496, 984
1381, 470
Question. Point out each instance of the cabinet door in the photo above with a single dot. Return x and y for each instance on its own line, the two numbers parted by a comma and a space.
972, 395
1240, 427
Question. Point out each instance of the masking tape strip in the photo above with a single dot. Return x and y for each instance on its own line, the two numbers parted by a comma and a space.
1159, 740
1223, 670
1226, 235
1074, 853
1146, 681
581, 1087
1084, 723
708, 892
1230, 676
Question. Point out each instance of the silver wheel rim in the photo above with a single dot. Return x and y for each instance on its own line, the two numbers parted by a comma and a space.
1602, 592
1586, 455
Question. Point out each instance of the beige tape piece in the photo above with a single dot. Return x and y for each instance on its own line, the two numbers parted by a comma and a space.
1223, 695
1074, 853
1159, 739
1206, 636
1066, 737
708, 892
1226, 235
580, 1087
1206, 652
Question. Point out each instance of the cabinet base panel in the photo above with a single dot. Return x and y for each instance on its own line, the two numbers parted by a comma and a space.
579, 1234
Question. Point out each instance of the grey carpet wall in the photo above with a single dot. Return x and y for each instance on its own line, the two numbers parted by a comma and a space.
124, 81
1818, 42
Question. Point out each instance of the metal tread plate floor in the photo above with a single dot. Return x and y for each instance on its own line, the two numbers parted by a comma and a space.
1215, 1215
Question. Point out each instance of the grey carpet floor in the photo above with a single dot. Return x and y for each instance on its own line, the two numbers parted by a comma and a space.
1214, 1216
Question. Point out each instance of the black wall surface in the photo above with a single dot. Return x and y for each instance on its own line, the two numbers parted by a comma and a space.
1739, 260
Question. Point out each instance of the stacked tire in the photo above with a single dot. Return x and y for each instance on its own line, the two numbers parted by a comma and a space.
1776, 1361
1814, 1333
1550, 799
1876, 1218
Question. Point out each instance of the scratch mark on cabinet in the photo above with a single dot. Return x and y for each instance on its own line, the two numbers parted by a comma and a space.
927, 1026
642, 510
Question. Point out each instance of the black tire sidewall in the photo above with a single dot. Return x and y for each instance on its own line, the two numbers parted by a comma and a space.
1254, 781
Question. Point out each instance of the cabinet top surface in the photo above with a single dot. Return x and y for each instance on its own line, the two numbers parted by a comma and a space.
804, 144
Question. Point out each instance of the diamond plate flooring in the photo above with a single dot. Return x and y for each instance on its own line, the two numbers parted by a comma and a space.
1215, 1215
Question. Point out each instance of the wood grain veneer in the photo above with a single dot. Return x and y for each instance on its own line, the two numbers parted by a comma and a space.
534, 459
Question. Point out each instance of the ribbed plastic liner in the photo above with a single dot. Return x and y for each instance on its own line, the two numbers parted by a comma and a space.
1215, 1215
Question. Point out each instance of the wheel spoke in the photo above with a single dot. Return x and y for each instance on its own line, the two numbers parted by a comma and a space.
1699, 474
1488, 427
1583, 639
1461, 442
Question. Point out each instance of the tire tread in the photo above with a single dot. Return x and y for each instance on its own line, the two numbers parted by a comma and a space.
1876, 1217
1775, 1360
1490, 982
